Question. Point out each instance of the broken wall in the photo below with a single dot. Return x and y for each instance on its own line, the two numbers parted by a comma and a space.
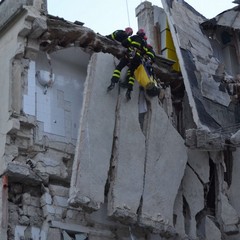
194, 218
129, 175
126, 159
199, 67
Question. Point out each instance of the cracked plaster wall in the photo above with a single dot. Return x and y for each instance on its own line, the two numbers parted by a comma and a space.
58, 104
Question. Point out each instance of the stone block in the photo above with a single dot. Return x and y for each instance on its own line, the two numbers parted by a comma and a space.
15, 126
25, 210
58, 191
35, 202
19, 231
11, 150
38, 27
60, 201
26, 199
59, 210
24, 220
48, 209
33, 211
13, 216
26, 29
36, 220
211, 230
46, 198
54, 233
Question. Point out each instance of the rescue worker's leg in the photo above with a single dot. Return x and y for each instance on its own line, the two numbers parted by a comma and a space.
124, 84
136, 61
130, 85
117, 72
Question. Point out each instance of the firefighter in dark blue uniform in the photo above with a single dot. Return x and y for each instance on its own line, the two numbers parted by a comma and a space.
120, 35
136, 48
149, 59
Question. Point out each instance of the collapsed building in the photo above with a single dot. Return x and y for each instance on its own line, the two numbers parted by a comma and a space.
80, 163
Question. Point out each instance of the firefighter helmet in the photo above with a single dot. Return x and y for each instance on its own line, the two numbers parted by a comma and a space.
129, 31
141, 32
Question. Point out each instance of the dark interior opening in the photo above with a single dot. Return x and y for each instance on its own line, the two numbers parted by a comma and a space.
228, 160
211, 193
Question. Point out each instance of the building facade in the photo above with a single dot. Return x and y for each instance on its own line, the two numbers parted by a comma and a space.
80, 163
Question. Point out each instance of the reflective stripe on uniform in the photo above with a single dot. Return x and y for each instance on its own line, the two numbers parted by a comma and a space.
116, 73
151, 54
131, 80
134, 42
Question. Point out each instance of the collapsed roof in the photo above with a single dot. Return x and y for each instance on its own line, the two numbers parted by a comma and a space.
200, 63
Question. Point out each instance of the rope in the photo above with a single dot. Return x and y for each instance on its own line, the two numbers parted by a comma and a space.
128, 13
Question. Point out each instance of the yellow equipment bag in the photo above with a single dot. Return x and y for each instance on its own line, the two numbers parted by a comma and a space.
143, 79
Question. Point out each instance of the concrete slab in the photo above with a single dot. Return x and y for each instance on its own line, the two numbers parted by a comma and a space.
212, 232
194, 194
165, 159
93, 151
199, 161
129, 157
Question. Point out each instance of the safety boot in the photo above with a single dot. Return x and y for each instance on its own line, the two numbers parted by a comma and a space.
115, 78
111, 86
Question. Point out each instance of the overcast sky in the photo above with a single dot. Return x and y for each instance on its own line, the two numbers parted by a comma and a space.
108, 15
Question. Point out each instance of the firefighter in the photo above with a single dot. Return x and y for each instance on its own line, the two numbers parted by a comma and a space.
120, 35
145, 75
136, 48
149, 59
149, 54
152, 89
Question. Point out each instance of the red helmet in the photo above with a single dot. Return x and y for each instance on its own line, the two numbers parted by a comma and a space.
141, 32
129, 31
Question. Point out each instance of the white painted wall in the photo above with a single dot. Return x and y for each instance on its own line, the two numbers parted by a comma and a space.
57, 106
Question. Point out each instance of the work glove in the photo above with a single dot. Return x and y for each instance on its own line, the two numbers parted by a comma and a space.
111, 86
128, 94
